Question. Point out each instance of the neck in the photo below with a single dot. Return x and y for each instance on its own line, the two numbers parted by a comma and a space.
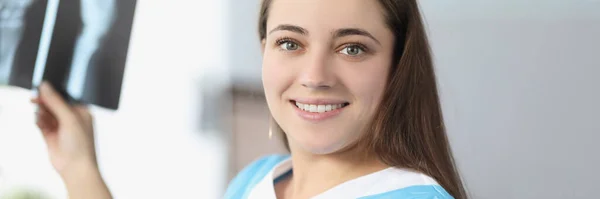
315, 174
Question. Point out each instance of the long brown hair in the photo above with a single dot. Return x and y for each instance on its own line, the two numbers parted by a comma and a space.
408, 129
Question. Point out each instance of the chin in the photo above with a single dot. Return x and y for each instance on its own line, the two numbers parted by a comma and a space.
322, 146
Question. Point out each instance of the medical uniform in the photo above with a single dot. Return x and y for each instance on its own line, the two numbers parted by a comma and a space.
257, 181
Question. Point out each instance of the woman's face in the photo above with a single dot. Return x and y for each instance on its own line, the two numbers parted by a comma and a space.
325, 66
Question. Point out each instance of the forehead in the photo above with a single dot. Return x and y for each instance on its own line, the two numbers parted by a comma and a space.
327, 15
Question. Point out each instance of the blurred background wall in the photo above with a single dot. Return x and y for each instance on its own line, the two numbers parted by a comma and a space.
518, 81
520, 92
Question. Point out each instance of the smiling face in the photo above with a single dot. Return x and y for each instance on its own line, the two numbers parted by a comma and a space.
325, 67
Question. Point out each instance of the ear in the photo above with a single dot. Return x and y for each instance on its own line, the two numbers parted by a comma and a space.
263, 42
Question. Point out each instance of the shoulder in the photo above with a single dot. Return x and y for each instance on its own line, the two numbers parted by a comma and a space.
402, 183
245, 180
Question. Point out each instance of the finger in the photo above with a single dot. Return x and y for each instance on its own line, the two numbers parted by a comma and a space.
48, 131
54, 102
46, 116
46, 121
35, 100
43, 126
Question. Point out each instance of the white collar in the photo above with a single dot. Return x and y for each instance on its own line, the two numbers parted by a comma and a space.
375, 183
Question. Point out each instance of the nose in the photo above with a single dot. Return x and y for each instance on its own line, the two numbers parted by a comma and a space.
317, 73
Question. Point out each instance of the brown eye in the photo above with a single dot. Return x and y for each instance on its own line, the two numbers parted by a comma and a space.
352, 50
289, 46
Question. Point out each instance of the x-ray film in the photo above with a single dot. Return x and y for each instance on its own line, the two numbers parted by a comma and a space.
79, 46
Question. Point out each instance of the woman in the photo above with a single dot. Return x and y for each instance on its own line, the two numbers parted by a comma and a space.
351, 84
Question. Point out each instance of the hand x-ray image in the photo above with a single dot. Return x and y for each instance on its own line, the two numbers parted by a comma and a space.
79, 46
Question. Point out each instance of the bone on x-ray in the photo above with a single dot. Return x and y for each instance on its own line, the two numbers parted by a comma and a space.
79, 46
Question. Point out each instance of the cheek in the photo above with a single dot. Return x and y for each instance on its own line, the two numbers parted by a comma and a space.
368, 84
276, 79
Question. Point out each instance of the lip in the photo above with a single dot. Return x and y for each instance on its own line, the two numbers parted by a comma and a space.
318, 101
318, 117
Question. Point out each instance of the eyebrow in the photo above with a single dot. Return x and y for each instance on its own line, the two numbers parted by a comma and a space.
344, 32
354, 31
292, 28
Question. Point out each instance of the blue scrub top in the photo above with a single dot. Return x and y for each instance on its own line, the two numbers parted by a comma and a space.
257, 178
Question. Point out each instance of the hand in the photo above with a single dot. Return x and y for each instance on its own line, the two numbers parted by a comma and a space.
68, 132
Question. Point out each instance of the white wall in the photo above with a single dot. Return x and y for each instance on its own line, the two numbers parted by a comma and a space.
520, 91
153, 146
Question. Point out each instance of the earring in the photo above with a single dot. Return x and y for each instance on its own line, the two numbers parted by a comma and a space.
271, 125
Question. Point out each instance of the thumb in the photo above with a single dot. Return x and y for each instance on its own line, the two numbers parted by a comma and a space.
55, 104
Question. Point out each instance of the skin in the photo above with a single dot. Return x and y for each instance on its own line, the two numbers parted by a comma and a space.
313, 63
322, 63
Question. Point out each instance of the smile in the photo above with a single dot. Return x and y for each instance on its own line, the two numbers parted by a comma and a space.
316, 111
320, 108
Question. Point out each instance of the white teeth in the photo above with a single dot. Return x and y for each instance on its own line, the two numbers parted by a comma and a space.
313, 108
321, 108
